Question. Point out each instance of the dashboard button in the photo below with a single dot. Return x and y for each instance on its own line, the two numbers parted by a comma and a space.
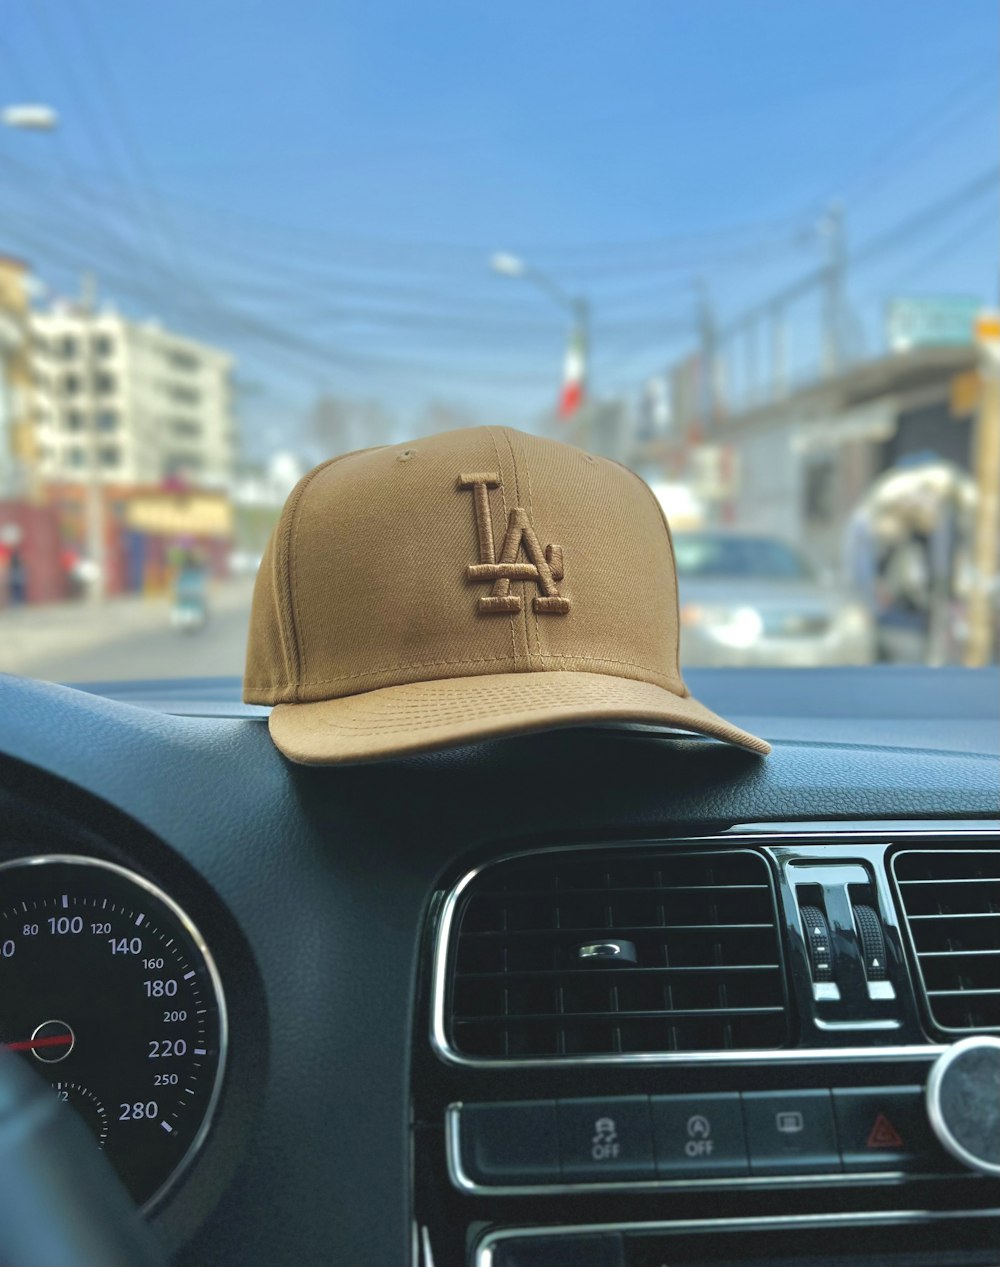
556, 1251
790, 1132
606, 1141
698, 1136
511, 1143
884, 1128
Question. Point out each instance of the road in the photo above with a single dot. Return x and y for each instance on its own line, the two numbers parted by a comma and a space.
159, 653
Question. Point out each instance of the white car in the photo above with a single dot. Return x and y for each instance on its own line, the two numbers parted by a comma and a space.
754, 600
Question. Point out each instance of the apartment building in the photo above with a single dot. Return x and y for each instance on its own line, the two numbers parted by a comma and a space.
131, 401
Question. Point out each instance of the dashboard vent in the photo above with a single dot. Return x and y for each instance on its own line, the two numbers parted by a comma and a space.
701, 969
951, 901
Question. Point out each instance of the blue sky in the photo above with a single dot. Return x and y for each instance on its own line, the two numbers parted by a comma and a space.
367, 156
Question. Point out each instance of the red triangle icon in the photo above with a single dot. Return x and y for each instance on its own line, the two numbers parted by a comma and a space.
884, 1134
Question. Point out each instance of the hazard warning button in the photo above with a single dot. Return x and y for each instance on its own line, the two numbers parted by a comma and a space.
884, 1134
885, 1128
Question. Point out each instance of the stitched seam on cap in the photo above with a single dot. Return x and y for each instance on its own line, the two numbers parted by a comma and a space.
517, 493
503, 503
531, 517
433, 664
283, 586
673, 558
290, 546
291, 539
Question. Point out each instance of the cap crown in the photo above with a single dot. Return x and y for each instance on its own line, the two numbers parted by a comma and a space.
482, 551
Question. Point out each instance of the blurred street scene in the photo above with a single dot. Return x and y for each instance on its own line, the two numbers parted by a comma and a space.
808, 381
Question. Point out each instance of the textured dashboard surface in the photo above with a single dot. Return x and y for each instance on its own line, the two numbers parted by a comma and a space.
890, 705
329, 873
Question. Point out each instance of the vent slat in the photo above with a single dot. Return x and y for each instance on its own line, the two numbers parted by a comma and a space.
707, 976
960, 993
602, 930
938, 883
614, 1015
951, 903
602, 973
957, 915
603, 890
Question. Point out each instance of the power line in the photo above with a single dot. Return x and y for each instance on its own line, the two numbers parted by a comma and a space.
929, 128
944, 250
80, 13
887, 241
903, 231
65, 67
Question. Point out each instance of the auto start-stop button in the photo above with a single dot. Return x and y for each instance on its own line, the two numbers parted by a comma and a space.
699, 1136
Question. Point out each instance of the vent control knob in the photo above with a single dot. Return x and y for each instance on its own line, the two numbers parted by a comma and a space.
870, 936
817, 932
607, 954
963, 1102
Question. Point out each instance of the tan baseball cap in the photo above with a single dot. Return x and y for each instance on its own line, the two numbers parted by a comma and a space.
469, 585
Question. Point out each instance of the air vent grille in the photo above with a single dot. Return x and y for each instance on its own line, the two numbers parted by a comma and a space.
705, 973
951, 900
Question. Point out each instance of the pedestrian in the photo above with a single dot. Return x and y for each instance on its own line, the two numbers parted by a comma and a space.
17, 580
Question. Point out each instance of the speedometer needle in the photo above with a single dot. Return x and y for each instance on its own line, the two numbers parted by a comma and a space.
29, 1044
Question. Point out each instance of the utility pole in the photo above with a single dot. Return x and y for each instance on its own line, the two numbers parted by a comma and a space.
578, 307
94, 493
986, 471
581, 322
779, 354
581, 317
708, 404
832, 228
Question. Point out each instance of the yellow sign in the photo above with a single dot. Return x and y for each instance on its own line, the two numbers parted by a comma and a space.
180, 514
988, 327
964, 394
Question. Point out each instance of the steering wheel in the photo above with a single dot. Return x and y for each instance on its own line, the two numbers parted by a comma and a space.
61, 1203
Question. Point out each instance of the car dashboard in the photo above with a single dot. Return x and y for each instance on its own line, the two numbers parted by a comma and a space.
601, 997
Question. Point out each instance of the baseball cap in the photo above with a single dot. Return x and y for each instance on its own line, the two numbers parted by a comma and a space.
468, 585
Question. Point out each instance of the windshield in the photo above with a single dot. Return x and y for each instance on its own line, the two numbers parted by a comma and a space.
745, 558
747, 248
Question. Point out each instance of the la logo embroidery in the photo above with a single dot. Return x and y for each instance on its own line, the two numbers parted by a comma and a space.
543, 567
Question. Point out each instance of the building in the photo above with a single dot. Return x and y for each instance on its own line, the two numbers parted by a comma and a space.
129, 402
16, 396
796, 467
143, 530
801, 468
258, 496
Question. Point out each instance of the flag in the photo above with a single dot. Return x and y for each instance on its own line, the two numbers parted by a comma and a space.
574, 376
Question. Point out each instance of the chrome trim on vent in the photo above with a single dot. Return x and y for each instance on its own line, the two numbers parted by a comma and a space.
756, 1223
439, 989
425, 1244
461, 1180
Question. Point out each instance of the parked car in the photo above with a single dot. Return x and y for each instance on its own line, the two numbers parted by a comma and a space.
754, 600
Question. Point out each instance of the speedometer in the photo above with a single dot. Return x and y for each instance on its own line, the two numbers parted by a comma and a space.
108, 989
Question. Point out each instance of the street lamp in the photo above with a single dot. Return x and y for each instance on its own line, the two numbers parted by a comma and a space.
508, 265
30, 118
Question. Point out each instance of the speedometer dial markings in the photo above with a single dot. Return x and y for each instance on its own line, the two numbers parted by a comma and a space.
87, 1105
123, 1005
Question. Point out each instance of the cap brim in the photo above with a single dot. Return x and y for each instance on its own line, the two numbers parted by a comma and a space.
397, 721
